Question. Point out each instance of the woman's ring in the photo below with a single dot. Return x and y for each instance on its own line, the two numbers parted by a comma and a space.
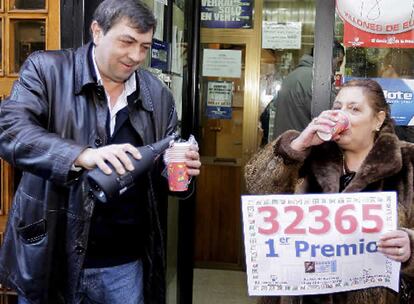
400, 251
315, 120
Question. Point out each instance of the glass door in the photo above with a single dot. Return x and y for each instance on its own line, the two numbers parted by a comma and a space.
227, 98
26, 26
286, 65
177, 32
222, 94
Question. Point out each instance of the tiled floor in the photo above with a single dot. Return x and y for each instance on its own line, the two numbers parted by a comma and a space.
215, 287
220, 287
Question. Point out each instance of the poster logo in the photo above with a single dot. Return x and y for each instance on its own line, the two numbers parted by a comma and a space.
356, 42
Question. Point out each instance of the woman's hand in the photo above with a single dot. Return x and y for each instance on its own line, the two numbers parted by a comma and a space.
395, 245
309, 137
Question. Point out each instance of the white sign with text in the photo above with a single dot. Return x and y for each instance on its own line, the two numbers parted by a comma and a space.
222, 63
281, 35
318, 243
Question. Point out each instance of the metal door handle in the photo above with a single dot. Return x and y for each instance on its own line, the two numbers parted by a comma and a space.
215, 129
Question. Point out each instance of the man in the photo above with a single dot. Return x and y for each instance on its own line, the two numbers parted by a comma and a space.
293, 103
69, 112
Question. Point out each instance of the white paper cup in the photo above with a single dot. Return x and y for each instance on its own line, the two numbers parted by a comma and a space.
177, 171
341, 125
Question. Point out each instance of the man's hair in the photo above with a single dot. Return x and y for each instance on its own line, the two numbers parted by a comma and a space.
337, 49
138, 14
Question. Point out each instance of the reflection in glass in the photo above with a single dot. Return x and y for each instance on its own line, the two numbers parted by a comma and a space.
1, 45
390, 57
178, 54
282, 53
375, 61
222, 106
29, 36
27, 4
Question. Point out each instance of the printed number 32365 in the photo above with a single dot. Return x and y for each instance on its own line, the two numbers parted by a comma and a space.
345, 220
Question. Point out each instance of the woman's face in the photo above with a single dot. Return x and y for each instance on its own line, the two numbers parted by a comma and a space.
364, 122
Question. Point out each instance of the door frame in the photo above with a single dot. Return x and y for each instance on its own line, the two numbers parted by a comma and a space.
324, 33
251, 38
51, 16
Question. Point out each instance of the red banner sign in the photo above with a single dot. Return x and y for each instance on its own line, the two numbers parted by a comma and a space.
358, 38
381, 24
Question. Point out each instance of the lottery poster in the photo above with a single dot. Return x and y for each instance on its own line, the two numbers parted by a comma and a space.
318, 243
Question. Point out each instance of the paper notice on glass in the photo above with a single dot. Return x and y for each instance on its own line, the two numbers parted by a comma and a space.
318, 243
219, 99
222, 63
159, 15
281, 35
177, 90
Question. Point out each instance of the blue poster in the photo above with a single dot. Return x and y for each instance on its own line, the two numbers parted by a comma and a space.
399, 94
226, 13
159, 55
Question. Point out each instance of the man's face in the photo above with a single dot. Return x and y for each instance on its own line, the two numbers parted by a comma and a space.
120, 51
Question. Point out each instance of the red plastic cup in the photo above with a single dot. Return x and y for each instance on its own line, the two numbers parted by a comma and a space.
177, 176
341, 125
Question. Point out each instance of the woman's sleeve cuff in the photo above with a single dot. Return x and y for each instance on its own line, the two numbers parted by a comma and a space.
283, 149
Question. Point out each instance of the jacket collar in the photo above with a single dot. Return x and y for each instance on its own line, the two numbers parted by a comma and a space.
143, 95
84, 73
383, 160
85, 77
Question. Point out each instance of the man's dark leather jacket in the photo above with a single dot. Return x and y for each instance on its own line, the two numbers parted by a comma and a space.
54, 112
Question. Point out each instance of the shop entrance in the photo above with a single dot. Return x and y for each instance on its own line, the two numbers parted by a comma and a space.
230, 137
227, 98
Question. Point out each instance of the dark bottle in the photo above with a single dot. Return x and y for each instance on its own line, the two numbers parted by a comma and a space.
105, 187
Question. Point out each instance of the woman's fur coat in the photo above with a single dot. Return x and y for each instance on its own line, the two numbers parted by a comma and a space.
388, 167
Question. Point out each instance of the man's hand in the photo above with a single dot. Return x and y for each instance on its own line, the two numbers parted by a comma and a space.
116, 155
193, 161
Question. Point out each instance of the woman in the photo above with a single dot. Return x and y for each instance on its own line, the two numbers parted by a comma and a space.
366, 157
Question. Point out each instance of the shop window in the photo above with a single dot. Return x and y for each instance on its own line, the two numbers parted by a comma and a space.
384, 53
27, 4
29, 36
287, 36
372, 55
